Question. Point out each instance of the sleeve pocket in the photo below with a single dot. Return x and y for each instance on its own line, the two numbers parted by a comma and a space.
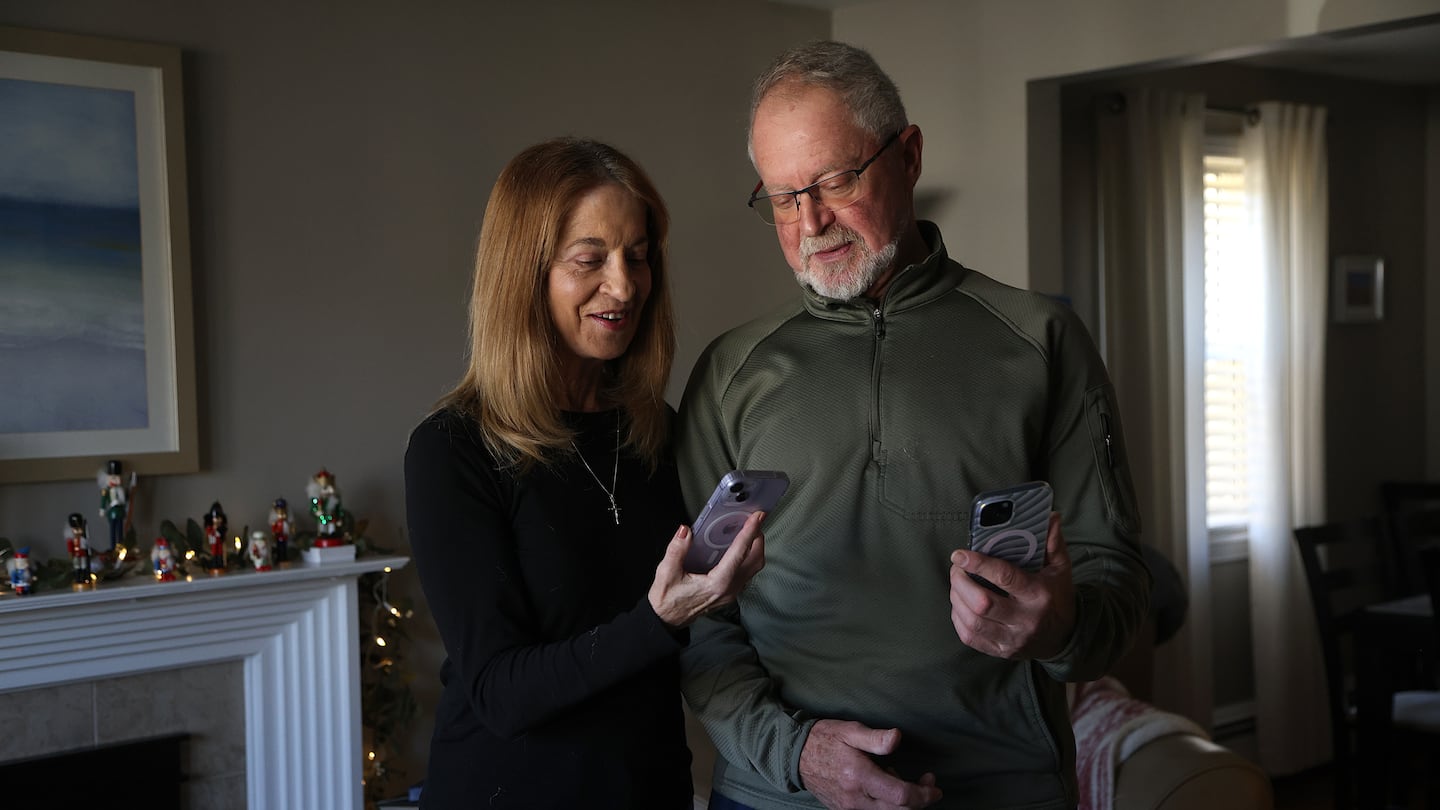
1111, 460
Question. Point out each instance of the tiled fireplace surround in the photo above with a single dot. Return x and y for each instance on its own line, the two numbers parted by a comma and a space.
261, 669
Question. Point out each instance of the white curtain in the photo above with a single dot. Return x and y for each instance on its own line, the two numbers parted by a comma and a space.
1285, 171
1150, 166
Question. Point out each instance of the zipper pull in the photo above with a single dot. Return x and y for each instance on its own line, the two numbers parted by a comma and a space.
1109, 442
879, 322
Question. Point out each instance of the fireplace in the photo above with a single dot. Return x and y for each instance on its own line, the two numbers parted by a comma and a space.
282, 645
102, 776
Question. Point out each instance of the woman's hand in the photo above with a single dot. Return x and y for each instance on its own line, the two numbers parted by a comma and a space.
680, 597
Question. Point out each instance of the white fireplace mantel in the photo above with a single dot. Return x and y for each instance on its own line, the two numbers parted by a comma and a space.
296, 630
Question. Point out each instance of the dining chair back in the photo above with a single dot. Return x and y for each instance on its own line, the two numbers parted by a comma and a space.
1412, 519
1346, 567
1429, 556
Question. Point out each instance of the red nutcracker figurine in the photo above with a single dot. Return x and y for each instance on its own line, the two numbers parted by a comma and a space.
79, 547
215, 539
280, 530
162, 559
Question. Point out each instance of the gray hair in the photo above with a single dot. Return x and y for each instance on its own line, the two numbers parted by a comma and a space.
850, 72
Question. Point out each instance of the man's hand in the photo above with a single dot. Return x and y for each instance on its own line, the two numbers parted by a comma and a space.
836, 768
1034, 621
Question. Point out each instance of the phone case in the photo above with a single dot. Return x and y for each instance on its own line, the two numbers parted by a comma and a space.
739, 494
1020, 537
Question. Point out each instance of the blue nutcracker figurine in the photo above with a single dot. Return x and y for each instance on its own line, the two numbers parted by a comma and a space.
162, 560
22, 579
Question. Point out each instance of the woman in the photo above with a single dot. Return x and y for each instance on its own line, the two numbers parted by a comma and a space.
543, 503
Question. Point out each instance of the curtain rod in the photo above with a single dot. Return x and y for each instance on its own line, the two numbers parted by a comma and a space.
1252, 114
1115, 103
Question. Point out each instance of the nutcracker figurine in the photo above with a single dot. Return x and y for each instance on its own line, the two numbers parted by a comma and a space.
215, 539
79, 547
325, 506
280, 530
114, 500
22, 579
162, 559
259, 550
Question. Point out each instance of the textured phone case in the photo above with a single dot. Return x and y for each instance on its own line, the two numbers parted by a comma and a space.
739, 494
1021, 539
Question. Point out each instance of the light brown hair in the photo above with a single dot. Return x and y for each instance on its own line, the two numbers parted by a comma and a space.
512, 384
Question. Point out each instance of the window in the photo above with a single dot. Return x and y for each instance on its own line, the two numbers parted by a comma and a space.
1228, 288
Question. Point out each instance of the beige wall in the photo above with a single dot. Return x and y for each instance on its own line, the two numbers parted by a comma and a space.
341, 155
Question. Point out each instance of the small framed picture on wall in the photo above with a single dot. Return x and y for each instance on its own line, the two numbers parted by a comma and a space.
1357, 289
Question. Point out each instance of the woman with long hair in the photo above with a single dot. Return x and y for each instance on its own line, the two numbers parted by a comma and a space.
543, 504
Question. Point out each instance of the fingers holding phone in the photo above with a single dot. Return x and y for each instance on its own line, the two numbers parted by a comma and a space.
679, 596
1017, 614
739, 494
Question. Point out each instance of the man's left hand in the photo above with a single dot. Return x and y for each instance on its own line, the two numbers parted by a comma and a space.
1034, 621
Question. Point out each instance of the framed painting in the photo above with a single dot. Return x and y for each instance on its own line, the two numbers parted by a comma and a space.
1357, 289
97, 357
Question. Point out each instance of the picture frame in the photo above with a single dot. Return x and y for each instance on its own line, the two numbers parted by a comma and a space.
1357, 289
95, 265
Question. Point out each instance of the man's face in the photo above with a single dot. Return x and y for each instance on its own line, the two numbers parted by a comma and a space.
801, 135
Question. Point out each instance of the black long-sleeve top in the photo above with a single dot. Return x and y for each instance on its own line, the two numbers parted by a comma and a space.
561, 685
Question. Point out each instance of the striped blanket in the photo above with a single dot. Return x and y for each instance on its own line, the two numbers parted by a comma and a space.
1109, 727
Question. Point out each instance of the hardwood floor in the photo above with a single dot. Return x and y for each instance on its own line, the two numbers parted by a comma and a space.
1311, 790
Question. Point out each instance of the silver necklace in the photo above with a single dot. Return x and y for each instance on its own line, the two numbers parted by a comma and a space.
614, 476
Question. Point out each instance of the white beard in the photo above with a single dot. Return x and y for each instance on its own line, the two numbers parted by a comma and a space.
856, 276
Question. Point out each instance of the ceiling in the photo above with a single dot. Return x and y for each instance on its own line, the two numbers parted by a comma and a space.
1408, 55
1406, 52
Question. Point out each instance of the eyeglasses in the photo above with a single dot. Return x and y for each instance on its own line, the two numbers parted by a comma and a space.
834, 192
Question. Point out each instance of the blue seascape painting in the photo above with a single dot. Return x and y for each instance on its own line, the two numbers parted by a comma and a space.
72, 316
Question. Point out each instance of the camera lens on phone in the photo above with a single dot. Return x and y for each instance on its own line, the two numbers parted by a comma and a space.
737, 486
996, 513
742, 497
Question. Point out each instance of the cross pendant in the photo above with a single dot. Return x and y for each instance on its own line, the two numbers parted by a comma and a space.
615, 510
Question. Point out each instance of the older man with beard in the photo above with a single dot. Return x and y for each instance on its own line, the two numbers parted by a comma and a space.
864, 667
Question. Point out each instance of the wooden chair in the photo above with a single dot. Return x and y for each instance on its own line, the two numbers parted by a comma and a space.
1429, 556
1412, 518
1348, 566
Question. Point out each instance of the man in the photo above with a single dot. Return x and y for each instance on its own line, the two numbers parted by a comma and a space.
863, 667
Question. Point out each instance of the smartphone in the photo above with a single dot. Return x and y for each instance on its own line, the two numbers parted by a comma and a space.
739, 494
1012, 524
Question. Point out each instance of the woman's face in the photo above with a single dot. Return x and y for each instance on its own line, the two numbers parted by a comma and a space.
600, 278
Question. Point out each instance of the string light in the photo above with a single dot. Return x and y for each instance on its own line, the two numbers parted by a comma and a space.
382, 681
